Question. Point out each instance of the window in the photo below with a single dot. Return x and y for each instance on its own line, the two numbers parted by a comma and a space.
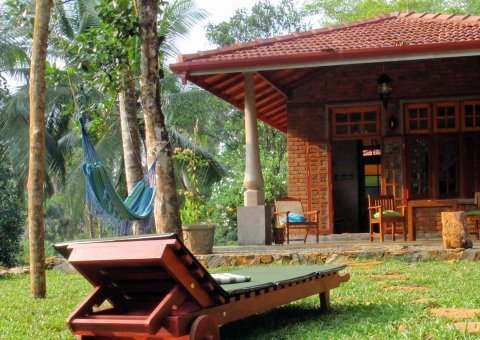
417, 117
471, 115
442, 162
355, 121
445, 117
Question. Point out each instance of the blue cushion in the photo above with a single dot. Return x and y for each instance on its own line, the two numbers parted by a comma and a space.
293, 217
388, 213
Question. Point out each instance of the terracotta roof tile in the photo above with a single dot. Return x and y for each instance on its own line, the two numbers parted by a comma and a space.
396, 29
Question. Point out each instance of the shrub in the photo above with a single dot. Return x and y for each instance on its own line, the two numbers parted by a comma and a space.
11, 223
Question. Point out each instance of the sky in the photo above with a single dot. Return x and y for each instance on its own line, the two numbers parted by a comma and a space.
218, 11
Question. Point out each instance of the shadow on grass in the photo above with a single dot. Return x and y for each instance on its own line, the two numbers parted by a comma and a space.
297, 321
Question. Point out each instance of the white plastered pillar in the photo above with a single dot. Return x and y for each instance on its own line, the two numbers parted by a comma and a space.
253, 179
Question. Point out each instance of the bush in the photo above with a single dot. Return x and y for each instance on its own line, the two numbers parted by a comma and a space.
11, 223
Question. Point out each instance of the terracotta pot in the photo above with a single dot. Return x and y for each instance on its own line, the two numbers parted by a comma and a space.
199, 237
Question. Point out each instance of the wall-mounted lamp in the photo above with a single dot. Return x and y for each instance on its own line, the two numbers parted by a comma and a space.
384, 88
392, 122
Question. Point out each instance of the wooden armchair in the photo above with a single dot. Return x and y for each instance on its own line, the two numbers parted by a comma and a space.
382, 211
286, 206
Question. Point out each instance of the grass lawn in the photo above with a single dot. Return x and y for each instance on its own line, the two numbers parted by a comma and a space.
391, 300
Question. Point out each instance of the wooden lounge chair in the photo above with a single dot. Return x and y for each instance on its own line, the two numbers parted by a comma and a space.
383, 211
153, 287
287, 206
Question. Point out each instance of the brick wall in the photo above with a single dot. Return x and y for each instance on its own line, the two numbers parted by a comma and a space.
308, 121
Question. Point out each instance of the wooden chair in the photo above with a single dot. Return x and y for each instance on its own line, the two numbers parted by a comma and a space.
287, 205
474, 215
154, 288
383, 211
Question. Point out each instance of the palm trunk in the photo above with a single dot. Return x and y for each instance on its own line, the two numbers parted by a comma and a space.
131, 141
167, 216
36, 164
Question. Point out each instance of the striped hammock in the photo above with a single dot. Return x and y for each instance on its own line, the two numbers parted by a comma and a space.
105, 201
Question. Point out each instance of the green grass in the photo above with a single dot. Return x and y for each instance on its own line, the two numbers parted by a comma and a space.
375, 304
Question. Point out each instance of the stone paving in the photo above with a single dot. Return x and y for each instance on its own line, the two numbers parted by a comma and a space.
338, 249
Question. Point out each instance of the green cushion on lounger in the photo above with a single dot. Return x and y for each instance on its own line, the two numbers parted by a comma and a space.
472, 213
388, 213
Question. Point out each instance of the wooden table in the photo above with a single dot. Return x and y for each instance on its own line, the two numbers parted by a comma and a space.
411, 205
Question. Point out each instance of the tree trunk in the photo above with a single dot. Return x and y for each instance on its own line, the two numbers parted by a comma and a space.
167, 216
131, 142
36, 164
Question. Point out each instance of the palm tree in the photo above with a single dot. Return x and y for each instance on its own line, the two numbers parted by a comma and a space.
36, 173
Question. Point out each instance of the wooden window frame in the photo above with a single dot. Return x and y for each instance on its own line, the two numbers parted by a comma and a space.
463, 104
351, 109
408, 119
436, 105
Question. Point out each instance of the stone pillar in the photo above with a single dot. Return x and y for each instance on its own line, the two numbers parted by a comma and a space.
253, 219
253, 180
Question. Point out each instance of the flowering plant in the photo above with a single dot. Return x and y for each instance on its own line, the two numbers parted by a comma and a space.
194, 210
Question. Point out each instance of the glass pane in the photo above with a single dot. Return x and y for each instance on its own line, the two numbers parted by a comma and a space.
370, 116
451, 123
451, 111
355, 128
468, 110
447, 163
413, 113
419, 167
477, 109
423, 112
423, 125
441, 124
341, 117
356, 117
413, 125
440, 112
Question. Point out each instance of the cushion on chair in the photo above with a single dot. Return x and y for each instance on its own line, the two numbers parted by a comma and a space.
472, 213
293, 217
388, 213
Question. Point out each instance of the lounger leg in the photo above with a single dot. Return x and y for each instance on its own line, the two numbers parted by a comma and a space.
371, 232
288, 235
394, 230
382, 232
325, 301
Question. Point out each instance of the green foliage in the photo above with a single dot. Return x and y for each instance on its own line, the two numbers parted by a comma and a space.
338, 11
264, 21
12, 216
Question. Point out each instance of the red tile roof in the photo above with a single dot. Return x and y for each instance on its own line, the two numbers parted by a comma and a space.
393, 35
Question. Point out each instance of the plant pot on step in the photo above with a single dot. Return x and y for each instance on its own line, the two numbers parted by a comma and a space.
199, 237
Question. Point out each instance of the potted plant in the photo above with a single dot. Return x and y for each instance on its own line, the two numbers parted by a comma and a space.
197, 229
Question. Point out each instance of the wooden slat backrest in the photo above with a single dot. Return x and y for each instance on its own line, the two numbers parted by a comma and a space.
386, 201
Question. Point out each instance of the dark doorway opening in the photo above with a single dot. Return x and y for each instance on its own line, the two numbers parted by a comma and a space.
356, 173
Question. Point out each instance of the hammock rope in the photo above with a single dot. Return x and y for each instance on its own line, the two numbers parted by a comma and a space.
103, 199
